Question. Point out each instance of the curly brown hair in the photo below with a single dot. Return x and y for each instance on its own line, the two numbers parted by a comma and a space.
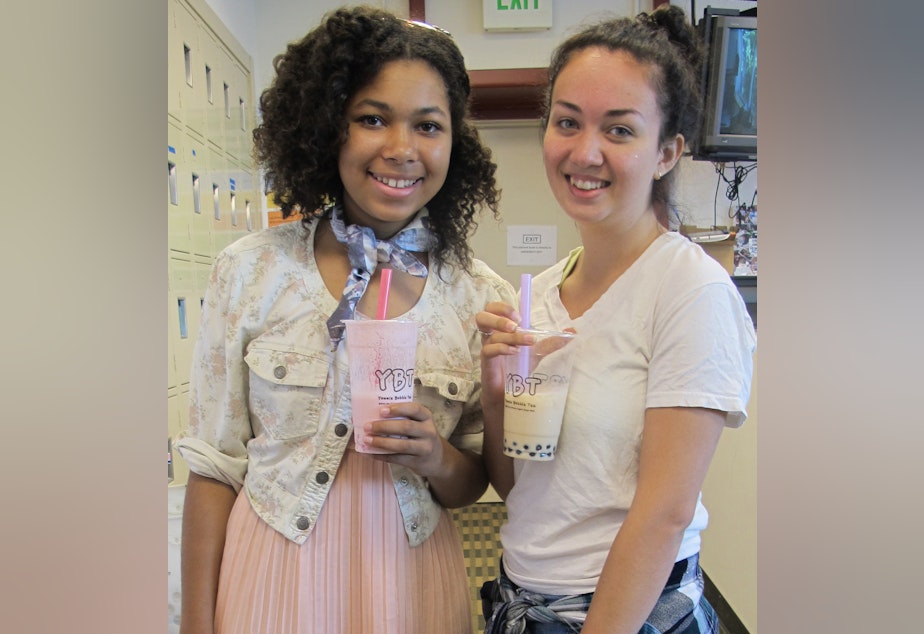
304, 126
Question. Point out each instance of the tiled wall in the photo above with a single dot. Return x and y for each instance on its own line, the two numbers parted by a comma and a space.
479, 526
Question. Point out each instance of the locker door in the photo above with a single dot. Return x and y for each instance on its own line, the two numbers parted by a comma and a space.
249, 197
202, 270
173, 333
239, 192
215, 95
239, 126
220, 171
201, 204
192, 69
175, 64
182, 295
179, 192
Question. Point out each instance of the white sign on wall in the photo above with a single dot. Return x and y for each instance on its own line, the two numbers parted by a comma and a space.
532, 245
517, 15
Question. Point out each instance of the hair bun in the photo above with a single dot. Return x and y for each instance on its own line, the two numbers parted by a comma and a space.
673, 22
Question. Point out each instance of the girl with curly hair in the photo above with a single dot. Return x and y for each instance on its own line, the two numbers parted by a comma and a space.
286, 527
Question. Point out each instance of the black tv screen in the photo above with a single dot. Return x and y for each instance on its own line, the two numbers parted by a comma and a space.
730, 121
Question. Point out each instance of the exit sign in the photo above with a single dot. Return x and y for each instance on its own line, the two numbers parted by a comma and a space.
517, 15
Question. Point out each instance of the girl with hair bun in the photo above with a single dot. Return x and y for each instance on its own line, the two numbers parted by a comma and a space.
606, 536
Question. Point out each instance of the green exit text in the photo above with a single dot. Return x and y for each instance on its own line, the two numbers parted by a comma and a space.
516, 4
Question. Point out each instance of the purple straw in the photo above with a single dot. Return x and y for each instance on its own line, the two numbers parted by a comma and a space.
526, 281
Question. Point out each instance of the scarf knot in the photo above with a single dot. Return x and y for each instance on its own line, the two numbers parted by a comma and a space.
365, 252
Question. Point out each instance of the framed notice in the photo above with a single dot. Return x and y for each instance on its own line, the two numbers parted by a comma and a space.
532, 245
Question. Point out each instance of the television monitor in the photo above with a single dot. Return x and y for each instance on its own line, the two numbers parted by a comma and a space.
730, 118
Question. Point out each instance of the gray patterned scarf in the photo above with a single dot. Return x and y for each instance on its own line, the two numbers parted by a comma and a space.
365, 252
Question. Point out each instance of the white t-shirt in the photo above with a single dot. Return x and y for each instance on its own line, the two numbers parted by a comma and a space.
670, 331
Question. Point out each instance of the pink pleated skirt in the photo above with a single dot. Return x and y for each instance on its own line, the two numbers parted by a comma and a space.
356, 574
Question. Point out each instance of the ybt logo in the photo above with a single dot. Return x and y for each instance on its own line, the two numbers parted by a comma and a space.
394, 379
517, 385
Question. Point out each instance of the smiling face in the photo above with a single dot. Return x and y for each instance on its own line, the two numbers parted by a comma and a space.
399, 139
601, 148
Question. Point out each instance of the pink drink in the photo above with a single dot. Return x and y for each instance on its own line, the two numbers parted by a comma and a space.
382, 355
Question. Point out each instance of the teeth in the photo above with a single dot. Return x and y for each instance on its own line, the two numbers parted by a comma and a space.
394, 182
587, 185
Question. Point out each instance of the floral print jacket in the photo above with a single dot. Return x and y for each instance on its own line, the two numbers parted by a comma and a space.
269, 399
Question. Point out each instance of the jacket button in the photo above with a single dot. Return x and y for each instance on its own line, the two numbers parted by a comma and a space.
322, 477
414, 526
302, 523
453, 389
341, 430
279, 371
403, 481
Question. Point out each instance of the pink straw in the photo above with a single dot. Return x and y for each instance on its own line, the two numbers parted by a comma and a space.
384, 287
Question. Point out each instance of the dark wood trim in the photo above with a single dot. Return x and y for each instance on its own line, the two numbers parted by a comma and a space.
508, 93
731, 624
417, 10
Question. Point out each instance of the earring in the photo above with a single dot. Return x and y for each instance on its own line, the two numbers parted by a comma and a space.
658, 176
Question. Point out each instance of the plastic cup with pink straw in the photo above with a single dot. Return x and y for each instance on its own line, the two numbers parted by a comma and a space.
382, 354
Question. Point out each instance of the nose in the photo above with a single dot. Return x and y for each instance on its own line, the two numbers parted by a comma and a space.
586, 150
400, 145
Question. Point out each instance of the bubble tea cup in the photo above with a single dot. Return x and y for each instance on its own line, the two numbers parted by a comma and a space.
535, 391
382, 355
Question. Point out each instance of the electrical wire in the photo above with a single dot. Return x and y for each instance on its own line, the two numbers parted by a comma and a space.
739, 174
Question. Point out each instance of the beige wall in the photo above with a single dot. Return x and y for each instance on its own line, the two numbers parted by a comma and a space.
526, 198
729, 551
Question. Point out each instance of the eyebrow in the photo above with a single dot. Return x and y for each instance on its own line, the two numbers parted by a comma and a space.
615, 112
381, 105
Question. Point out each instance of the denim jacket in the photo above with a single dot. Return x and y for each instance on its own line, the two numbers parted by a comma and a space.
270, 401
